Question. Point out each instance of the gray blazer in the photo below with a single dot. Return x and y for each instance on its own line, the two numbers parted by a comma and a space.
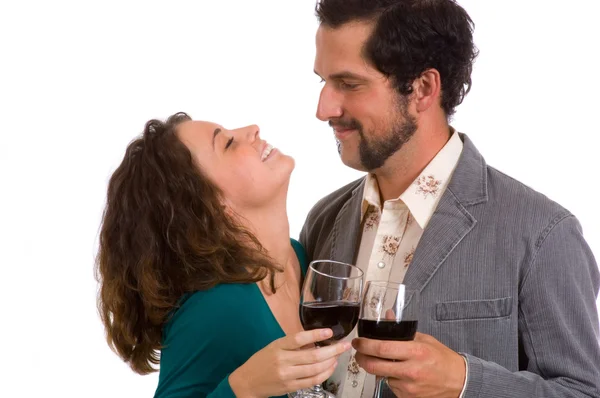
505, 275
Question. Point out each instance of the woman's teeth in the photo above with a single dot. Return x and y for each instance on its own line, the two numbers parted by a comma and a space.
266, 152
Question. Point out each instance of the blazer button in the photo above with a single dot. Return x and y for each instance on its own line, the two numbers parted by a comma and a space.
381, 265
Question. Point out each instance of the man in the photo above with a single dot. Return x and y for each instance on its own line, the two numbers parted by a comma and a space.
507, 282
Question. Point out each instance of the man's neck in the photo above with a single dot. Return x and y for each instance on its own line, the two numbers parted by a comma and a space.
402, 168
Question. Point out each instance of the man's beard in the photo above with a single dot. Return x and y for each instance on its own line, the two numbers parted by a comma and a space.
375, 151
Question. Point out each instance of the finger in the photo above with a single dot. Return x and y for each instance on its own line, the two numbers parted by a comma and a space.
312, 381
425, 338
301, 339
315, 355
390, 315
398, 387
304, 371
383, 367
398, 350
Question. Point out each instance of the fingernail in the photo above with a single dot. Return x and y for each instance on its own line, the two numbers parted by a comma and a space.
347, 345
326, 332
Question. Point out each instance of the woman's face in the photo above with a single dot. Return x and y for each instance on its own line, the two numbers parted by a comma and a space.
249, 171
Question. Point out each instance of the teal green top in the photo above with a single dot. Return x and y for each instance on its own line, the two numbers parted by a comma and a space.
212, 334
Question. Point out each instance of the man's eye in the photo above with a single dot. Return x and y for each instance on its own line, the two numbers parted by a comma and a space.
348, 86
229, 142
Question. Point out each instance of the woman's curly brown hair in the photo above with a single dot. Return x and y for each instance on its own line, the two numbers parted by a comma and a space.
164, 233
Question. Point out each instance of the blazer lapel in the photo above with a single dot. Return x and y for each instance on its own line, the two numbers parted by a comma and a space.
448, 226
451, 221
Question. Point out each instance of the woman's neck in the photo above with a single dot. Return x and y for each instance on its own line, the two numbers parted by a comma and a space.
271, 228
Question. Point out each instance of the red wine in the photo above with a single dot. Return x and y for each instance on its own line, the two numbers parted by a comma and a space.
387, 330
339, 316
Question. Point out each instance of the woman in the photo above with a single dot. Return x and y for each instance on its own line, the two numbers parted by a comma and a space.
195, 261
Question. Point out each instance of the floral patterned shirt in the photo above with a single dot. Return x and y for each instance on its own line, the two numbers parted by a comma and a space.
389, 238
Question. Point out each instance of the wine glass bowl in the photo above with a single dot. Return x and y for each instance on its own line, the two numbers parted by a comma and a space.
389, 311
330, 298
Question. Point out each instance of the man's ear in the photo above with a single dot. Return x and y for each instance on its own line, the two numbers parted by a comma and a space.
427, 90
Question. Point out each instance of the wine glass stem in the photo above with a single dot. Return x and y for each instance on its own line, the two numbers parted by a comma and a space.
318, 389
379, 382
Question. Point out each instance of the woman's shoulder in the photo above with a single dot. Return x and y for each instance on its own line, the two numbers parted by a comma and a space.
221, 296
221, 303
202, 341
301, 254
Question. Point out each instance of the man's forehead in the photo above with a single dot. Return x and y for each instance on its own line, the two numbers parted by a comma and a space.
340, 51
355, 33
346, 41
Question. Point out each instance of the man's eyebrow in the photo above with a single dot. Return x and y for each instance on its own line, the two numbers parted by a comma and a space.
343, 75
217, 131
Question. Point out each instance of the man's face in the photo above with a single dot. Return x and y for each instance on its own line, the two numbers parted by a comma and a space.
370, 119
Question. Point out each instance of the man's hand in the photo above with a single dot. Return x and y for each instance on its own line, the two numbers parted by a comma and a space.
423, 367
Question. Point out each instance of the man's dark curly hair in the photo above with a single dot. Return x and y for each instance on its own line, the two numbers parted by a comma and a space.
410, 37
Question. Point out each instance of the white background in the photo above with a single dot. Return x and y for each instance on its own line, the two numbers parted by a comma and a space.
79, 80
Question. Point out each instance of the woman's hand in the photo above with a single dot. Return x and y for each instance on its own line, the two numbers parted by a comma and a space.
283, 366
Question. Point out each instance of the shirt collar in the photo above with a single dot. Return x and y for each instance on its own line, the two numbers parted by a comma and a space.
423, 195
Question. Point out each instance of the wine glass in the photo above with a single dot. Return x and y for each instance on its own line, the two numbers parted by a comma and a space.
389, 311
330, 298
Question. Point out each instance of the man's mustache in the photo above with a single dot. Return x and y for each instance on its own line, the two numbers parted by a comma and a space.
351, 124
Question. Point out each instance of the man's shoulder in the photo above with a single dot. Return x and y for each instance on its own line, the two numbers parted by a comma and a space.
518, 198
331, 204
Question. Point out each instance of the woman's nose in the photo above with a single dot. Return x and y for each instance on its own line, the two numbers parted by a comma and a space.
250, 133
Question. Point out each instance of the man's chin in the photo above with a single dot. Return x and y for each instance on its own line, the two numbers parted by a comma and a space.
352, 162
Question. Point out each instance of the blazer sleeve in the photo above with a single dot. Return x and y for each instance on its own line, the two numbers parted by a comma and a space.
558, 324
